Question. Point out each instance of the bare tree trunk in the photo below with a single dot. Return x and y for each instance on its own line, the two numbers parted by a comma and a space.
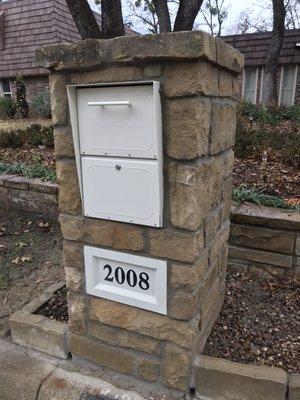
269, 94
84, 19
163, 15
112, 19
186, 15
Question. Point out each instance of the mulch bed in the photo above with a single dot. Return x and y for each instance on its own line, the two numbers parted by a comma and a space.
272, 176
259, 322
28, 155
57, 307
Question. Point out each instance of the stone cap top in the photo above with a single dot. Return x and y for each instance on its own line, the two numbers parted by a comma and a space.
138, 49
253, 214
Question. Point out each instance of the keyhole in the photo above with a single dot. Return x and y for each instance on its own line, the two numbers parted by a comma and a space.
118, 167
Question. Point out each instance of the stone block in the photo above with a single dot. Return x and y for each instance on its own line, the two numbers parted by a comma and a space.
218, 243
37, 197
16, 182
238, 381
260, 256
148, 369
72, 226
43, 187
187, 127
297, 246
182, 305
74, 279
227, 199
143, 322
176, 245
188, 79
228, 57
152, 70
175, 368
261, 238
112, 74
106, 356
77, 306
225, 84
59, 100
113, 234
294, 387
188, 276
39, 333
223, 124
252, 214
212, 224
69, 193
63, 142
120, 337
73, 255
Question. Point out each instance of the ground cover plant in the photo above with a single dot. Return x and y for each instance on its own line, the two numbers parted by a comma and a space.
267, 155
27, 149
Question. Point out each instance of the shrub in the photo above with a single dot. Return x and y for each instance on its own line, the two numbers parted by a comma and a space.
7, 107
22, 108
41, 105
34, 135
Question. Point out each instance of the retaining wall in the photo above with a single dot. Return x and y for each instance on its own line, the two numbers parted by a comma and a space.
34, 195
261, 238
265, 238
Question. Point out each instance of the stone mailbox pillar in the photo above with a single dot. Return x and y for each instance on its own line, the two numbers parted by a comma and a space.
198, 87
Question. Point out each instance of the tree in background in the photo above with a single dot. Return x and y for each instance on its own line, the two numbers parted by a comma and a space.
112, 18
214, 14
22, 108
269, 94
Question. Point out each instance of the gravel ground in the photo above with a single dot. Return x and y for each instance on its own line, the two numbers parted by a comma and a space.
259, 322
57, 307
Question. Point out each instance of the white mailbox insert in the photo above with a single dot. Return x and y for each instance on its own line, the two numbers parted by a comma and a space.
117, 132
118, 121
129, 279
121, 189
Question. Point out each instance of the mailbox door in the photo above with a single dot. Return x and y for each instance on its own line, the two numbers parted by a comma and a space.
122, 190
118, 121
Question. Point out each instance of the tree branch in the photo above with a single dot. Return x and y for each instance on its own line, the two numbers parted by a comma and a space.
163, 15
186, 15
84, 19
112, 19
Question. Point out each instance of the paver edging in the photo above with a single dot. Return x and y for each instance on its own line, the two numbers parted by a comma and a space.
38, 332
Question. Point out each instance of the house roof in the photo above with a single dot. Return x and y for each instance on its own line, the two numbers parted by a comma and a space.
255, 46
28, 25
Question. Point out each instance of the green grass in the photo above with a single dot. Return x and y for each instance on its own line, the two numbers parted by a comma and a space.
257, 196
29, 171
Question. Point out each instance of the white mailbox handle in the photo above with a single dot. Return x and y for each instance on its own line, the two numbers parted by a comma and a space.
109, 103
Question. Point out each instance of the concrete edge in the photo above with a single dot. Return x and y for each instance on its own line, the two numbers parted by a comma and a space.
218, 378
38, 332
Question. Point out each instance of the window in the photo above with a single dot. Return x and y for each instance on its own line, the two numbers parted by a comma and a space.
250, 84
287, 85
5, 88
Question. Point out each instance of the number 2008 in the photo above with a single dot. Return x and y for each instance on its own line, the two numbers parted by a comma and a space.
131, 277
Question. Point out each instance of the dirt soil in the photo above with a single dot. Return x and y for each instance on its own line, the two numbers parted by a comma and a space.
259, 322
30, 260
57, 307
272, 176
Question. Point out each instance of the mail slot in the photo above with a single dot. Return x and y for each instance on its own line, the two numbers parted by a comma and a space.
118, 147
118, 121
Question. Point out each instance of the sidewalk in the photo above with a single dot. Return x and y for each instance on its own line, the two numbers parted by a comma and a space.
28, 375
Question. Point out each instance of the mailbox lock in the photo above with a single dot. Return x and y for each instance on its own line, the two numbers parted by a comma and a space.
118, 167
